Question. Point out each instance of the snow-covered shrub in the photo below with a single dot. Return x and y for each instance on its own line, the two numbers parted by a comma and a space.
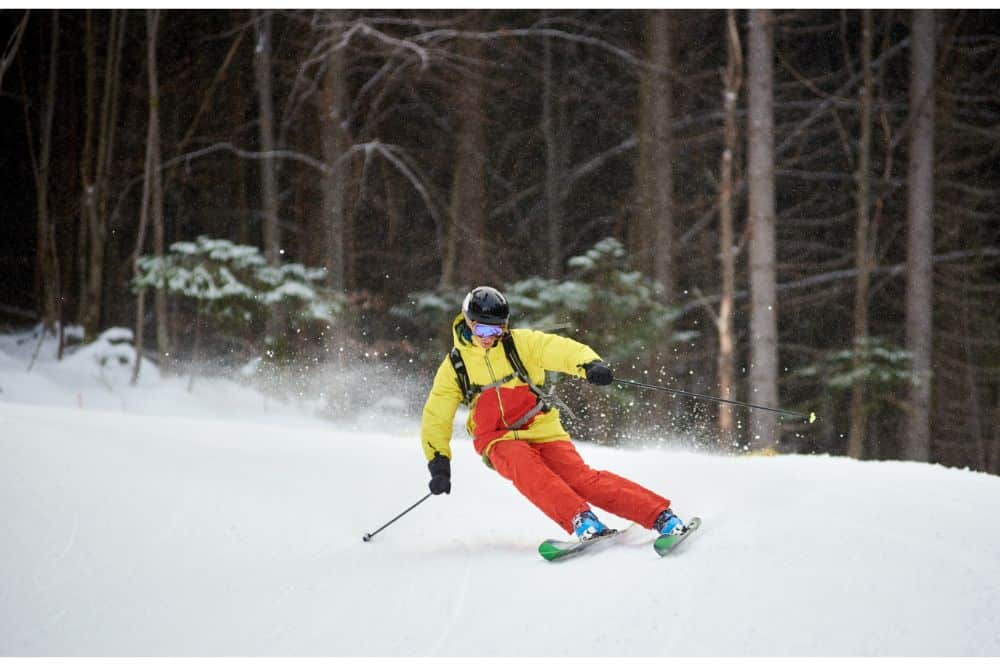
621, 313
235, 282
882, 368
431, 313
112, 347
109, 358
237, 290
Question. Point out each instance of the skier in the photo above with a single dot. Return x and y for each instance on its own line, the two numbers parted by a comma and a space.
516, 429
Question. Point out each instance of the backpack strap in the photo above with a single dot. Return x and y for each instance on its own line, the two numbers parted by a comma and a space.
462, 375
510, 349
545, 400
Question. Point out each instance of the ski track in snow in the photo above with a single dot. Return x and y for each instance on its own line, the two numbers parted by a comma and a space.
456, 604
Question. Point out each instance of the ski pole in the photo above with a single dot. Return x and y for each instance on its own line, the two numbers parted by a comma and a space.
811, 418
368, 537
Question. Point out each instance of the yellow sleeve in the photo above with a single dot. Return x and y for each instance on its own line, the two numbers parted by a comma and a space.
439, 412
554, 352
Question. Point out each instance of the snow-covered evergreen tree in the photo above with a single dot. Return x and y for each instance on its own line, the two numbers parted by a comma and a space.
235, 287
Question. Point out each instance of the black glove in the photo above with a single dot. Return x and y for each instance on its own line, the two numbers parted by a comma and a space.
599, 373
440, 469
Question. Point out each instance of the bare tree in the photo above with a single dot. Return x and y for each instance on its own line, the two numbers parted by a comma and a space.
760, 176
863, 239
10, 51
265, 128
96, 168
553, 119
46, 283
920, 236
655, 179
150, 183
270, 220
732, 81
466, 256
87, 208
333, 107
156, 199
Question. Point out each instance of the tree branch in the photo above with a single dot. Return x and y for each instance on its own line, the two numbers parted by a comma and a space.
10, 51
833, 276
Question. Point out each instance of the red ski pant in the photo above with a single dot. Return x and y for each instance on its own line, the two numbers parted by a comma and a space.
554, 477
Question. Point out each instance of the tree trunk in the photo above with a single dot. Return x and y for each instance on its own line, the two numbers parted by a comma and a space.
57, 281
863, 243
760, 167
727, 251
265, 103
156, 178
656, 188
920, 236
87, 195
148, 186
970, 367
333, 108
96, 178
555, 165
196, 351
466, 257
994, 464
45, 268
271, 230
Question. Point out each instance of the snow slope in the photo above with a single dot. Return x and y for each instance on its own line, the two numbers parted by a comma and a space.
134, 530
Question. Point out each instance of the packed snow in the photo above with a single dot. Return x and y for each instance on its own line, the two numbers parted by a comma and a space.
154, 521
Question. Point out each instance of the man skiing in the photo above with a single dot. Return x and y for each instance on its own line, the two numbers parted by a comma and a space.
516, 429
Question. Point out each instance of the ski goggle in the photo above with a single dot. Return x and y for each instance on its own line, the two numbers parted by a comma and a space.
486, 330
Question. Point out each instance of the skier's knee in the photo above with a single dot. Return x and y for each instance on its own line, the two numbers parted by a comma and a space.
585, 477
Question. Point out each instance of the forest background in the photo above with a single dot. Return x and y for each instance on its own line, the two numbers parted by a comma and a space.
791, 208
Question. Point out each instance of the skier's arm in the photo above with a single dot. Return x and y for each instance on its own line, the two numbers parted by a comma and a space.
556, 353
439, 412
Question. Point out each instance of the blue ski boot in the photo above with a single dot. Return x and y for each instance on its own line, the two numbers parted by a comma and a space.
667, 524
672, 531
586, 526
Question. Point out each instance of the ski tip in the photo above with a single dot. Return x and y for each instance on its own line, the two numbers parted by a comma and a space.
549, 551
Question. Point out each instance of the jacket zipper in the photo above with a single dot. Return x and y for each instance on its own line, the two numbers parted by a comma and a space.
503, 415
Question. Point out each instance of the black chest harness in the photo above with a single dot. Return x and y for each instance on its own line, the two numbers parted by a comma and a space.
544, 402
470, 390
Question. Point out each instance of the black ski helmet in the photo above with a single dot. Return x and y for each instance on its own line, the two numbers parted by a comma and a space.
486, 305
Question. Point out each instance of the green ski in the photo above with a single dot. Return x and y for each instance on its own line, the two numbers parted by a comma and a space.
667, 543
555, 550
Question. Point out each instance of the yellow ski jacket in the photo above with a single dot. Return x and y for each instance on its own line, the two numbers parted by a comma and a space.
500, 409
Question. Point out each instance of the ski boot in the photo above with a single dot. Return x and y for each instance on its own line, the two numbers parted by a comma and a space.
586, 526
668, 524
